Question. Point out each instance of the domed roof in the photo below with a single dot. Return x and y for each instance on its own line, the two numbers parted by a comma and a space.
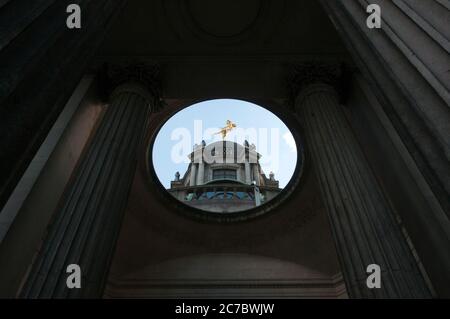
231, 149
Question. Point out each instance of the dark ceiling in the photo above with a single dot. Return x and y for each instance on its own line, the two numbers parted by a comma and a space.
173, 28
222, 48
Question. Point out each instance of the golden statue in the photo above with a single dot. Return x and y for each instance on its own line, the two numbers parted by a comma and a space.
225, 130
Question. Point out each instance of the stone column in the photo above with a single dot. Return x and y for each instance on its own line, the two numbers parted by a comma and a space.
406, 64
407, 60
193, 178
247, 172
363, 224
256, 173
87, 224
201, 173
43, 61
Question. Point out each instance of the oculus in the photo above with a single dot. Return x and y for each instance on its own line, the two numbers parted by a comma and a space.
224, 156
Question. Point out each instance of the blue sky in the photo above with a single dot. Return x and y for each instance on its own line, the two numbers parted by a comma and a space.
176, 138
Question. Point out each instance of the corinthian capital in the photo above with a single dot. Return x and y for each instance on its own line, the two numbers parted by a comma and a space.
145, 76
336, 75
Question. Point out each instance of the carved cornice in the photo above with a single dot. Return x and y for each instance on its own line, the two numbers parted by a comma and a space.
337, 75
147, 76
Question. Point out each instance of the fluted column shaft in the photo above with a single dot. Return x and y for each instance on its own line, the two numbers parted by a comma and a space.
86, 226
364, 226
406, 64
407, 59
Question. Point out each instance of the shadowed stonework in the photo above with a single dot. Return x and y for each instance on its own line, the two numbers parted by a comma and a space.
80, 110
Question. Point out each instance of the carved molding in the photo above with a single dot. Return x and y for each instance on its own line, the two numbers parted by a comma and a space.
326, 287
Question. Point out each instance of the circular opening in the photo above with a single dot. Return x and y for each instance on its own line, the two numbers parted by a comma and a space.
225, 157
